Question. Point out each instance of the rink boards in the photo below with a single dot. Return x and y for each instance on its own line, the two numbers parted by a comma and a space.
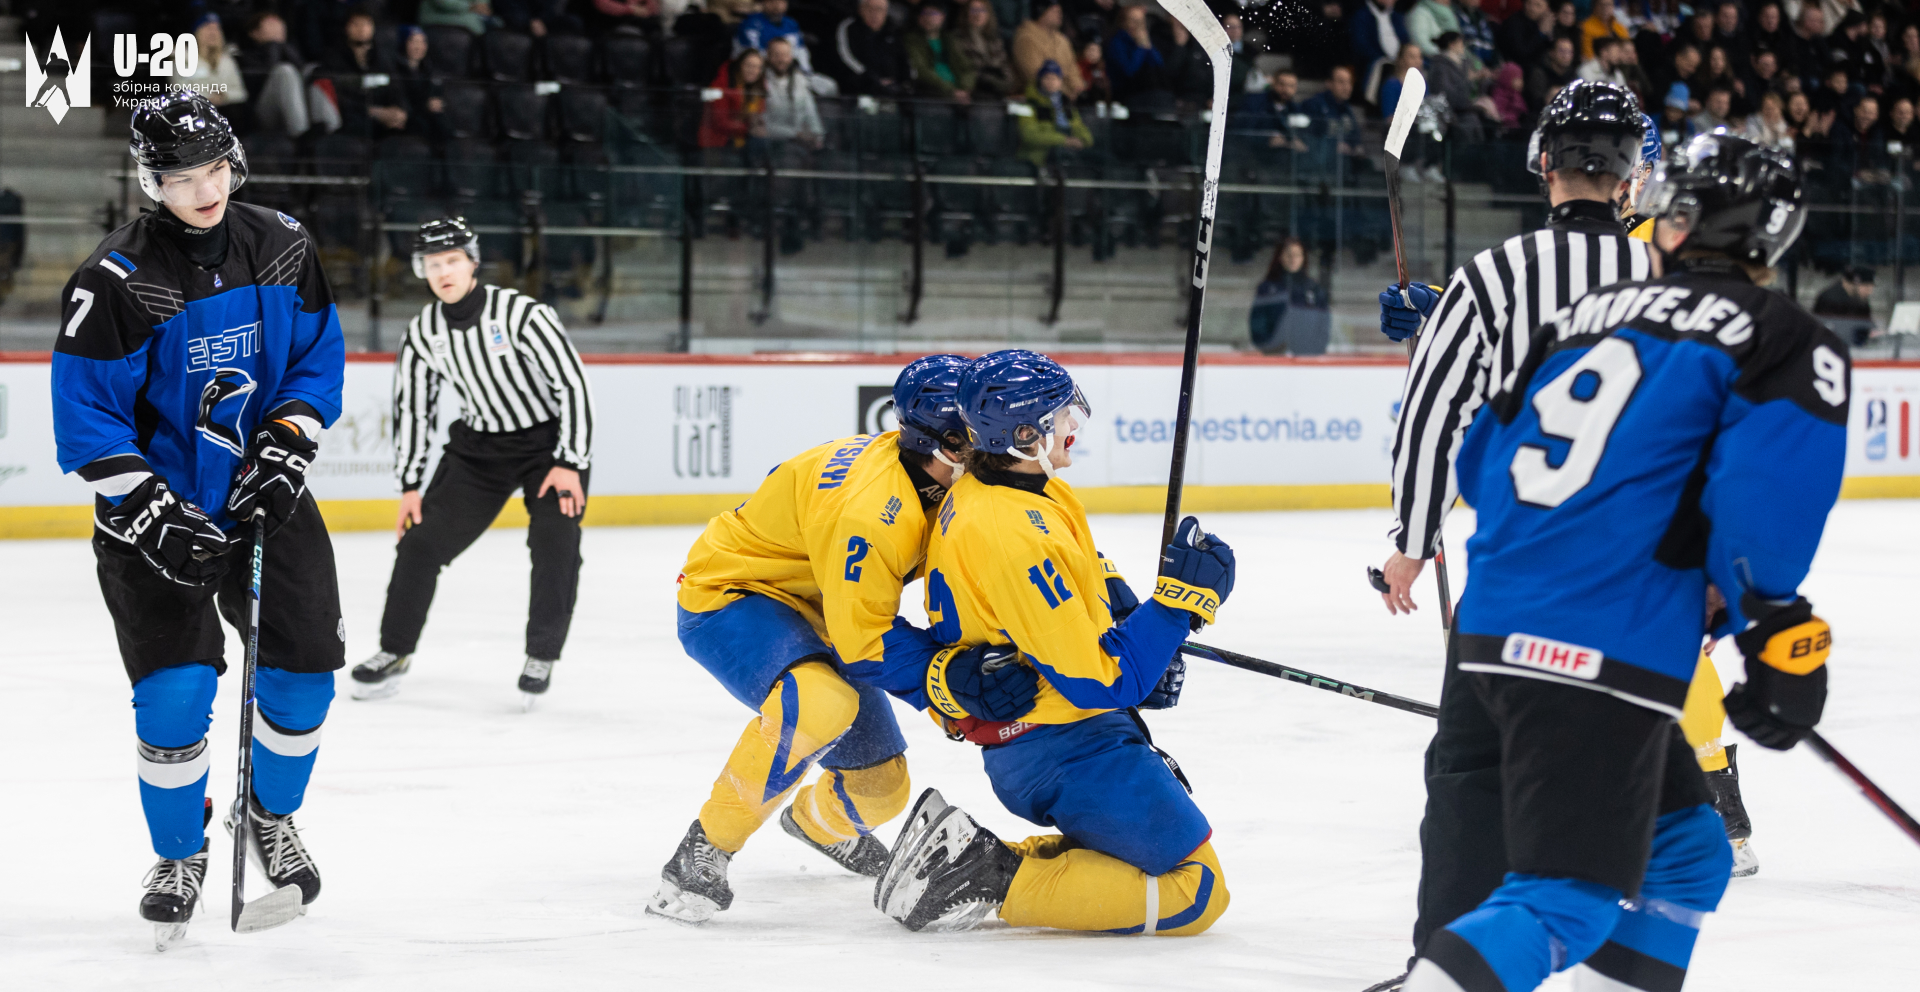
678, 438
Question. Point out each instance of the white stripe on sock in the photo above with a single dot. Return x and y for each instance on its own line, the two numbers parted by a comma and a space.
171, 775
1152, 925
285, 745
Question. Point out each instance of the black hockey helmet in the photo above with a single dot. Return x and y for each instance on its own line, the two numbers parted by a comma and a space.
443, 234
1593, 126
1731, 196
180, 131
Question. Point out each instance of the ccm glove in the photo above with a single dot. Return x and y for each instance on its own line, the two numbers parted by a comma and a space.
986, 681
1196, 573
1399, 321
1120, 598
1166, 693
176, 538
274, 473
1786, 688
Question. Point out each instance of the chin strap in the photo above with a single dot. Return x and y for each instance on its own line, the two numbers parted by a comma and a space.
1045, 457
959, 468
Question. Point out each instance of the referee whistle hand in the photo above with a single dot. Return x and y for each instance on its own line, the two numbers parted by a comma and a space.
566, 482
1400, 572
409, 513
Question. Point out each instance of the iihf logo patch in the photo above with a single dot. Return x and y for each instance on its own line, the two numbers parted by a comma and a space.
292, 225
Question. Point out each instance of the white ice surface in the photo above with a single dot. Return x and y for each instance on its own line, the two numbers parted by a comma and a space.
468, 846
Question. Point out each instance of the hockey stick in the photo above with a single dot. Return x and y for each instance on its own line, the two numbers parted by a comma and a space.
282, 905
1204, 27
1284, 673
1900, 817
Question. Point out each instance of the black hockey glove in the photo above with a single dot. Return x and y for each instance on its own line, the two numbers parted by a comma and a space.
986, 681
1166, 692
273, 475
1786, 688
1196, 573
177, 539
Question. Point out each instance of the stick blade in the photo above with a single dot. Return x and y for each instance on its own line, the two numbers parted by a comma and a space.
277, 908
1413, 92
1201, 22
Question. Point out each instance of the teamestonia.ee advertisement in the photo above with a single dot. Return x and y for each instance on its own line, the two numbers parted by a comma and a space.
146, 69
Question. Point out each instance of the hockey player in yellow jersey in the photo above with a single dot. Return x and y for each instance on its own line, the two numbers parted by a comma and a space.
789, 600
1014, 579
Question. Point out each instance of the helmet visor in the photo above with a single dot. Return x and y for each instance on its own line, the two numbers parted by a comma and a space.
1066, 420
188, 189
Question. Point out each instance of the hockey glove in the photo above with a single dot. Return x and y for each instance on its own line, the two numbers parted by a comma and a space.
1786, 688
274, 473
177, 539
1399, 321
1166, 693
1120, 598
986, 681
1196, 573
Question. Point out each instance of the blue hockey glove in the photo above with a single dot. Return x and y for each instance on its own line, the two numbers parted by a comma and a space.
1196, 573
1120, 598
1399, 321
177, 539
273, 475
986, 681
1166, 693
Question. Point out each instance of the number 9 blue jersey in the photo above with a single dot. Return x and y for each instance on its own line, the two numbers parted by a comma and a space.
1662, 435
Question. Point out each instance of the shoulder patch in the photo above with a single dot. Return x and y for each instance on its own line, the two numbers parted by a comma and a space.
292, 225
117, 264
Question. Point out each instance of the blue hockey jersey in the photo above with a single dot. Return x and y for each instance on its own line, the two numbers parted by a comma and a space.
164, 366
1663, 435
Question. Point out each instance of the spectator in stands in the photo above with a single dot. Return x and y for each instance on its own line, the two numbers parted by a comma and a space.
1835, 93
792, 116
625, 17
1860, 150
1137, 67
1427, 20
1566, 23
873, 59
316, 24
218, 73
1879, 60
1697, 31
1407, 59
1678, 69
1244, 56
1764, 75
1675, 122
419, 92
1604, 22
468, 15
1289, 314
1093, 69
1376, 31
1525, 37
940, 70
978, 36
1319, 45
1039, 41
1768, 29
1901, 133
1605, 63
770, 22
539, 17
1550, 75
1768, 126
1335, 127
1509, 96
271, 69
1716, 72
365, 111
1729, 33
733, 12
1264, 123
1850, 298
1189, 71
1478, 31
1716, 111
1809, 45
1813, 145
1449, 76
1051, 128
733, 128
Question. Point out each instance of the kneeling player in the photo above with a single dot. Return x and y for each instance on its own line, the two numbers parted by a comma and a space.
782, 599
1699, 421
199, 357
1014, 561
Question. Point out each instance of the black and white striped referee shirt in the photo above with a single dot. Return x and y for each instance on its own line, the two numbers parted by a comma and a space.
513, 369
1478, 338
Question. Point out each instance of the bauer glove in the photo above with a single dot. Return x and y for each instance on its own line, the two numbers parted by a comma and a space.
1399, 321
274, 473
1120, 598
986, 681
1786, 688
1196, 573
177, 539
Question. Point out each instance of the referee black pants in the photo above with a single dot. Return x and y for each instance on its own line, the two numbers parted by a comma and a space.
477, 474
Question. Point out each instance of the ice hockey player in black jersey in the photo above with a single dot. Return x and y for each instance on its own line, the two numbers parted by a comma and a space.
1660, 436
197, 359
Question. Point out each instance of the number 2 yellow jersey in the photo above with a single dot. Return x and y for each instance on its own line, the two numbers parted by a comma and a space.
832, 532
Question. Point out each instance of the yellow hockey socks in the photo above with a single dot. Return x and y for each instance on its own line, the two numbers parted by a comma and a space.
809, 708
1703, 716
844, 803
1068, 887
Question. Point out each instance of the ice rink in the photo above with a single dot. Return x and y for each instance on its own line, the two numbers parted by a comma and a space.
466, 845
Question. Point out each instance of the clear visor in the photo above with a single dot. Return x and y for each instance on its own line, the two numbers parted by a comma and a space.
190, 188
1637, 190
1067, 419
1654, 196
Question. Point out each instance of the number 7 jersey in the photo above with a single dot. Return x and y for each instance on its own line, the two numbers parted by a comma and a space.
1662, 435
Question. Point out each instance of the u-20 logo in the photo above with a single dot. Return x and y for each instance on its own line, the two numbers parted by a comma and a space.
222, 404
60, 82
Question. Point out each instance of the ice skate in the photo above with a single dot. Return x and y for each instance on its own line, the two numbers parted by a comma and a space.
693, 885
863, 855
1726, 801
274, 847
173, 887
919, 820
535, 679
951, 877
379, 676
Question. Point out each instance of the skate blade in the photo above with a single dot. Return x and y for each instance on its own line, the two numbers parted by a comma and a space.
1746, 862
376, 690
949, 835
527, 699
926, 810
684, 908
962, 918
166, 935
277, 908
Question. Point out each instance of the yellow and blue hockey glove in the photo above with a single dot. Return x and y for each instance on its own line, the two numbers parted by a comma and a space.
1196, 573
1398, 319
1786, 688
986, 681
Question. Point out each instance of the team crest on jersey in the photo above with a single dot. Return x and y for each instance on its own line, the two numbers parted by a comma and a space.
222, 404
1557, 657
292, 225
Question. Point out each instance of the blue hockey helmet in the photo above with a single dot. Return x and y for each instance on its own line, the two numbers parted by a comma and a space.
927, 405
1011, 400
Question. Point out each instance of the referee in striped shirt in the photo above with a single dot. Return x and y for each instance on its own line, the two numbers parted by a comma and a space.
1476, 338
526, 423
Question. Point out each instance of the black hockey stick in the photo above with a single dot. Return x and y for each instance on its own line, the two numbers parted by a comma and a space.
1875, 795
283, 904
1284, 673
1201, 23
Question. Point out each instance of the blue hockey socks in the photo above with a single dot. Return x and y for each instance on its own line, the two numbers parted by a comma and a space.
1528, 929
286, 734
1652, 943
172, 709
